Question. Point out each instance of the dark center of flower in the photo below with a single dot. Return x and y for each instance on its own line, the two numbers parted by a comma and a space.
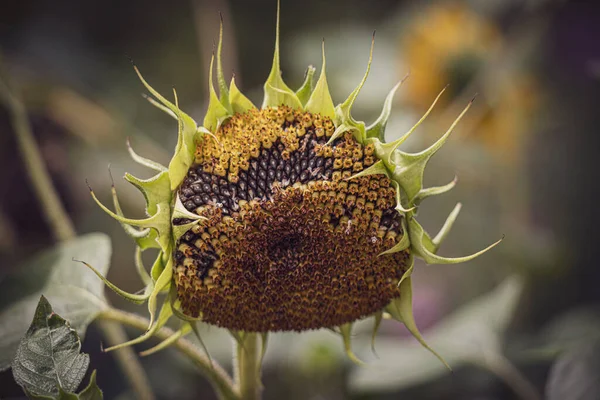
285, 250
290, 243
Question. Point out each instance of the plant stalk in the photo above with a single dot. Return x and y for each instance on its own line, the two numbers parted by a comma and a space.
216, 375
53, 210
512, 377
62, 226
248, 351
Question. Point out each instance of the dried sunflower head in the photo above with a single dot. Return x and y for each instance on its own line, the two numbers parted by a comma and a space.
288, 217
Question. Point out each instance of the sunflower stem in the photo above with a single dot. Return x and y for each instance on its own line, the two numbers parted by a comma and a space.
216, 375
512, 377
53, 210
60, 223
248, 367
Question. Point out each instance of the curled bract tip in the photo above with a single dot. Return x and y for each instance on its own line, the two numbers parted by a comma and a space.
346, 332
401, 310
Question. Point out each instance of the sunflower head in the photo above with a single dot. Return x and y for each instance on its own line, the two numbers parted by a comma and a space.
288, 217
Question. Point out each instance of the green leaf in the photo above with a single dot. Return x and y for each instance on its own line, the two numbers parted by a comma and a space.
464, 336
92, 391
48, 358
75, 292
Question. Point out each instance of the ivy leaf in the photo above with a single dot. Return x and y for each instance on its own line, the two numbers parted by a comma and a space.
465, 336
48, 359
75, 292
92, 391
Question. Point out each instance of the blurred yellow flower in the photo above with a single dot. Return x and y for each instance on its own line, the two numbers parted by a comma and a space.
450, 44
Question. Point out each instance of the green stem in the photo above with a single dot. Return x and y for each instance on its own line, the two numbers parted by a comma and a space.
216, 375
53, 210
62, 226
248, 366
512, 377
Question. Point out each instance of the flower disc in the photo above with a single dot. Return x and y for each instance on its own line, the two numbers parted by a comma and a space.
290, 242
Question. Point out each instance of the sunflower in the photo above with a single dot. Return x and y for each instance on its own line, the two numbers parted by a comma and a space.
457, 52
288, 217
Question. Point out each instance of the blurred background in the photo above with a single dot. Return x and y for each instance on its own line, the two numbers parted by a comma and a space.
520, 320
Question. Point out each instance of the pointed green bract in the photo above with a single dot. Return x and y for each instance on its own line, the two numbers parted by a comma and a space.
377, 129
307, 87
239, 103
402, 244
408, 273
145, 238
410, 167
158, 105
434, 191
343, 111
156, 190
439, 238
340, 130
385, 151
401, 310
223, 91
376, 325
163, 317
264, 341
150, 222
134, 298
216, 112
139, 266
165, 103
158, 266
346, 332
399, 207
144, 161
157, 193
320, 101
420, 242
276, 91
184, 330
184, 151
179, 211
376, 169
163, 282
